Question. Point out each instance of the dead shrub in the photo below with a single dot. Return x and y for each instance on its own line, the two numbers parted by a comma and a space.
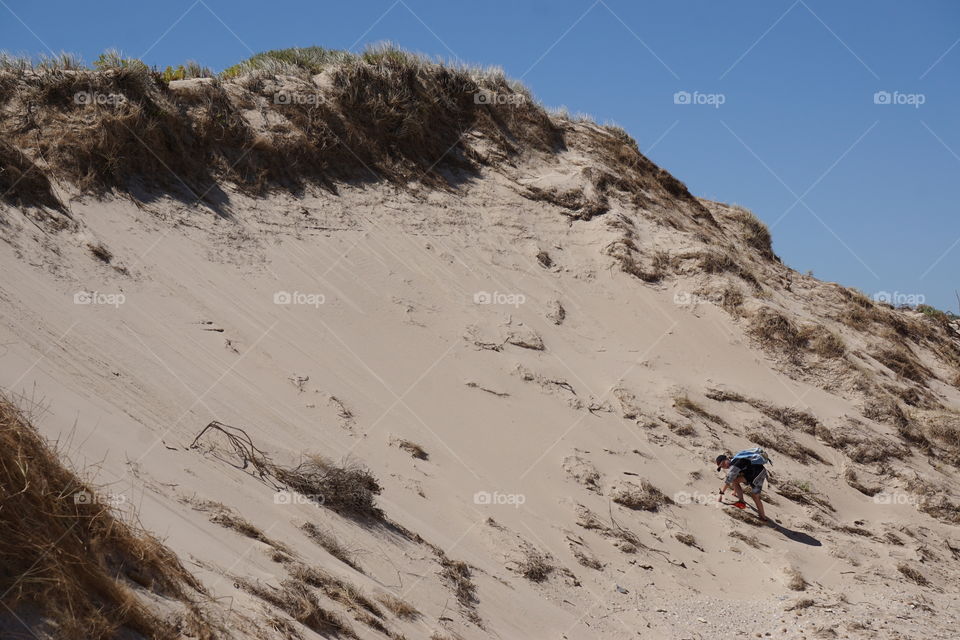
646, 496
413, 449
458, 575
348, 488
715, 261
825, 343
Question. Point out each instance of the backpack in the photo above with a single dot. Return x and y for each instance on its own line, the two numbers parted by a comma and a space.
754, 456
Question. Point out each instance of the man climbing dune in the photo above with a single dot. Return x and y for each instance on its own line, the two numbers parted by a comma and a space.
747, 466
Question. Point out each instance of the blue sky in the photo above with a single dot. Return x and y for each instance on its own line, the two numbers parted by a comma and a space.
857, 192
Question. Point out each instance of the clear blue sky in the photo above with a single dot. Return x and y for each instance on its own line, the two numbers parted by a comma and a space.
857, 192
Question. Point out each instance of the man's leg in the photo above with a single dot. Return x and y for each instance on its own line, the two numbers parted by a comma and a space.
755, 490
737, 489
759, 503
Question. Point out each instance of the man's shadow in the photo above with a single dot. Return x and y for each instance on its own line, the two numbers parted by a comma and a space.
796, 536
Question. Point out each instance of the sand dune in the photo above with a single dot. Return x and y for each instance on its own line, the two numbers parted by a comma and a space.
535, 363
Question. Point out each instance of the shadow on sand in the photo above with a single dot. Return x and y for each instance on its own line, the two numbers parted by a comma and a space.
796, 536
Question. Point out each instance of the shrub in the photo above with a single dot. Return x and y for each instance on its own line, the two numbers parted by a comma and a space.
349, 488
535, 566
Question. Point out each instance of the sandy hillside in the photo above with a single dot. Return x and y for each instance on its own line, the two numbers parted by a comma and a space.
518, 364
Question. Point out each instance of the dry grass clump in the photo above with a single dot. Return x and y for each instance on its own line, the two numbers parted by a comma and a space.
912, 574
782, 442
795, 580
850, 475
400, 608
755, 232
787, 416
687, 539
802, 493
753, 541
23, 183
775, 331
825, 343
624, 251
689, 408
100, 252
336, 589
716, 261
646, 496
458, 575
66, 558
535, 566
348, 488
413, 449
330, 544
295, 598
904, 363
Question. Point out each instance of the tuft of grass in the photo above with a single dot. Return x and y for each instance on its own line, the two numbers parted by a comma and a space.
296, 599
535, 566
686, 406
100, 252
775, 331
646, 496
782, 442
912, 574
330, 544
802, 493
413, 449
753, 541
756, 233
400, 608
686, 539
794, 579
904, 363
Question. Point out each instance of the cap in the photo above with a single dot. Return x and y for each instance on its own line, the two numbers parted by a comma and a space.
720, 458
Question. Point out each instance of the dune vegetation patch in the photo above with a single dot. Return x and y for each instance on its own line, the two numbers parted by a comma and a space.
69, 562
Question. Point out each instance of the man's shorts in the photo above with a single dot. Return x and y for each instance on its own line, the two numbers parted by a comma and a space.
757, 485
